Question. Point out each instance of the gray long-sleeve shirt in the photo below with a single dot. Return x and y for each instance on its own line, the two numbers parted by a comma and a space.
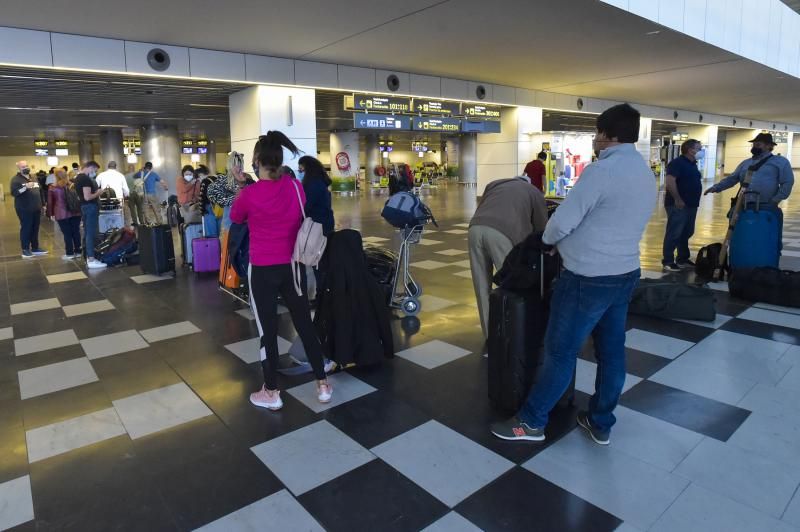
598, 227
773, 181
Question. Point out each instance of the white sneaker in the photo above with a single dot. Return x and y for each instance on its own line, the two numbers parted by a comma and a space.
267, 399
330, 366
68, 257
324, 392
95, 264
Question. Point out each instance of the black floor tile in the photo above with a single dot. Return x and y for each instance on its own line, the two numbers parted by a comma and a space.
134, 372
76, 292
98, 324
51, 356
638, 363
676, 329
520, 500
65, 404
375, 418
372, 497
13, 452
699, 414
41, 322
768, 331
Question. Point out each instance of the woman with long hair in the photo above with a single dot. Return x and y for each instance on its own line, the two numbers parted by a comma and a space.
69, 221
224, 191
272, 210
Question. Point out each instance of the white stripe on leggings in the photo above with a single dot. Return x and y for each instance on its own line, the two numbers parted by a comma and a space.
262, 351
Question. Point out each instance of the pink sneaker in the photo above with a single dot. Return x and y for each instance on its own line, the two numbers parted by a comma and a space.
267, 399
324, 392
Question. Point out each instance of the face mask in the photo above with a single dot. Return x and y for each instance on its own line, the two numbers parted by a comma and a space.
300, 175
26, 171
201, 176
92, 174
188, 177
756, 151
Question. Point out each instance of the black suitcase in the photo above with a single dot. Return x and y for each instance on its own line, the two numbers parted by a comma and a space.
517, 324
156, 251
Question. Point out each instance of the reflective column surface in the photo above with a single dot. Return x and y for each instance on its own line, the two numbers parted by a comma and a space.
124, 406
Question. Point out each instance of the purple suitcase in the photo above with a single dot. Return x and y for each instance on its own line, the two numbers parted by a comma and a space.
205, 254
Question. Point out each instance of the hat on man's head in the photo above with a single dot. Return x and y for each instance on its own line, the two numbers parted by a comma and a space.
765, 138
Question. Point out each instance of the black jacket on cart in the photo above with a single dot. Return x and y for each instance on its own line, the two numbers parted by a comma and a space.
352, 319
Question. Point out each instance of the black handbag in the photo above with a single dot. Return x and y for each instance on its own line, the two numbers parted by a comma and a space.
766, 285
664, 299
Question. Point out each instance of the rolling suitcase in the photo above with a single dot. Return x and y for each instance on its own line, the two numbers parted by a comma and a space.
756, 238
228, 278
188, 233
205, 253
156, 251
517, 324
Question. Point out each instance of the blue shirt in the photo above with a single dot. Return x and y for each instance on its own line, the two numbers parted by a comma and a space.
773, 181
688, 180
150, 182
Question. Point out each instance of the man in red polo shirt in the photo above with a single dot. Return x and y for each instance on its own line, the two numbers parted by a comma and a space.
536, 171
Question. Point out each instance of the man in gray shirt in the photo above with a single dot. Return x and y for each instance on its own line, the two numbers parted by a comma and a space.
597, 232
509, 211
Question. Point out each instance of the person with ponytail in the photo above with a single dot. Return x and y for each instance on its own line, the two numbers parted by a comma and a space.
223, 191
272, 210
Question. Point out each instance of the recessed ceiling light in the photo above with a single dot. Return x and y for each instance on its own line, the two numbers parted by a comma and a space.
654, 32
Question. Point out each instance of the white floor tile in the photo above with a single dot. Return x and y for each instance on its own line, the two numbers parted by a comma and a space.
792, 514
34, 306
692, 376
646, 274
65, 277
434, 304
59, 438
656, 344
464, 225
452, 522
16, 502
466, 274
156, 410
248, 313
43, 342
790, 253
429, 242
782, 319
462, 264
790, 310
345, 388
626, 527
641, 492
148, 278
7, 333
770, 434
451, 252
88, 308
448, 465
429, 265
772, 400
791, 380
248, 350
792, 355
432, 354
165, 332
719, 286
701, 510
586, 372
311, 456
456, 232
54, 377
113, 344
718, 322
279, 511
744, 476
374, 239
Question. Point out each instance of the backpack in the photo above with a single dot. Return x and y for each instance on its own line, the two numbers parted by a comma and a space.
707, 262
404, 209
309, 244
72, 199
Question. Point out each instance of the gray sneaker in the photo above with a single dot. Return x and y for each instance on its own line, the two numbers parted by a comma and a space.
515, 430
26, 254
599, 437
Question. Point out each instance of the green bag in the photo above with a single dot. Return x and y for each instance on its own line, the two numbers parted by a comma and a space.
664, 299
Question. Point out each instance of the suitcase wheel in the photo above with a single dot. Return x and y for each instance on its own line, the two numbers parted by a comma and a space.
411, 306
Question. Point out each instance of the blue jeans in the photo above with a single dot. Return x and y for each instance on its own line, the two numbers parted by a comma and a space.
680, 228
90, 213
581, 306
71, 228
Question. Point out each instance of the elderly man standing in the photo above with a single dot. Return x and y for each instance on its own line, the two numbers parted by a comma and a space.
28, 204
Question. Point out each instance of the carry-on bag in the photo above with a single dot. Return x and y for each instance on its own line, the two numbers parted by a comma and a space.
114, 249
517, 325
188, 233
228, 278
205, 253
707, 262
665, 299
766, 285
756, 238
157, 254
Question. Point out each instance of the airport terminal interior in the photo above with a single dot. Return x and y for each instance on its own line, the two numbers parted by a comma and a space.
125, 392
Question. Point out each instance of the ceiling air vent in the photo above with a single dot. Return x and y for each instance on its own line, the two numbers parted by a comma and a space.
734, 121
751, 123
580, 104
393, 83
701, 118
158, 59
674, 115
480, 92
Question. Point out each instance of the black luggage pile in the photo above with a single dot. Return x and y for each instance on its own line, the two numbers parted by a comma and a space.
117, 247
382, 264
156, 250
766, 285
109, 200
518, 314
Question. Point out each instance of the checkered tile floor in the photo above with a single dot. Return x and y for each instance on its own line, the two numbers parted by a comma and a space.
123, 405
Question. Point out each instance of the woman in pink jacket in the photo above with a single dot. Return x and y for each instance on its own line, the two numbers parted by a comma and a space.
271, 208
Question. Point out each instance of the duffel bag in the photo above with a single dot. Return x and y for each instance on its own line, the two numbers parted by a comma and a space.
663, 299
766, 285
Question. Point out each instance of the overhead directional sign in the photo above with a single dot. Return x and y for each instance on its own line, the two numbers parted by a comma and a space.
387, 104
425, 123
471, 110
61, 143
435, 107
41, 143
378, 121
480, 126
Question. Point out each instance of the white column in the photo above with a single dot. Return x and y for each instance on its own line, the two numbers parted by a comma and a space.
160, 146
373, 157
344, 161
645, 132
503, 155
257, 110
708, 136
468, 158
85, 152
211, 157
111, 148
792, 151
737, 147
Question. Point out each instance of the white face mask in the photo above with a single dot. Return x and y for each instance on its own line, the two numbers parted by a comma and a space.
188, 177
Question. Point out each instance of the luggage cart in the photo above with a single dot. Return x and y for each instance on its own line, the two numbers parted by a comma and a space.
407, 297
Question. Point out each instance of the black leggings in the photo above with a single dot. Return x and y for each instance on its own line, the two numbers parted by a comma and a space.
266, 282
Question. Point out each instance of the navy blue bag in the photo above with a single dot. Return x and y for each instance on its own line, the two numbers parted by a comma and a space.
756, 238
